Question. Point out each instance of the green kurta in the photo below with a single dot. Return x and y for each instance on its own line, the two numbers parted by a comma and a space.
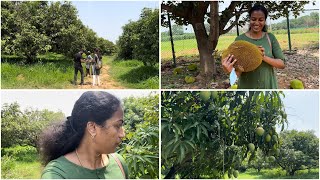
62, 168
264, 76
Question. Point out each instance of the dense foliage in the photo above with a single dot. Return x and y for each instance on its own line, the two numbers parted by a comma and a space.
141, 146
207, 134
299, 150
23, 127
140, 39
32, 27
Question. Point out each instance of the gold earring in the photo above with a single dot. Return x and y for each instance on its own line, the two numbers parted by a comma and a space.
93, 136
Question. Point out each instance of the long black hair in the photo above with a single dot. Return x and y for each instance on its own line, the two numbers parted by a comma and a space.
64, 137
259, 7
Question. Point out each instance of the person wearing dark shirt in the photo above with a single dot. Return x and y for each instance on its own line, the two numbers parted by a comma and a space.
78, 67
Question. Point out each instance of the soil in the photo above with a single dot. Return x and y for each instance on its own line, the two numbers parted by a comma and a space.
301, 64
106, 82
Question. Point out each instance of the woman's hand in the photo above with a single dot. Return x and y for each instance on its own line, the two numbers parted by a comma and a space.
262, 50
227, 63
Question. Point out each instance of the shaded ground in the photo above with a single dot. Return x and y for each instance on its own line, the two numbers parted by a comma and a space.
302, 64
106, 82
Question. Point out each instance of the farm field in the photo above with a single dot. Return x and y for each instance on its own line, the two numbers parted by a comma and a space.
188, 47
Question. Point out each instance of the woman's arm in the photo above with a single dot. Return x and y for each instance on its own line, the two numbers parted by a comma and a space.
277, 63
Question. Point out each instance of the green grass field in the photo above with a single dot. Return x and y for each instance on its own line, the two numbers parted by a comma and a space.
189, 46
50, 71
54, 71
21, 166
278, 174
133, 74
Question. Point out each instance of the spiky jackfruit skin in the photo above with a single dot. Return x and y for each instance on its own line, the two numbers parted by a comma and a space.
192, 67
248, 55
296, 84
177, 70
189, 79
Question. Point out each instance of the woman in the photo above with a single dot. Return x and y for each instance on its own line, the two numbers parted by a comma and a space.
264, 76
88, 64
96, 71
82, 146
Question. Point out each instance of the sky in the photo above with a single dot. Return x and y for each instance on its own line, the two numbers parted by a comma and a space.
302, 108
57, 100
106, 18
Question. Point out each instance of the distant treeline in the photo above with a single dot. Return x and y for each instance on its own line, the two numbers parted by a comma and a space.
304, 24
31, 28
311, 20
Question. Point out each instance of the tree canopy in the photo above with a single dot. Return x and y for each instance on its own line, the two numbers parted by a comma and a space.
140, 39
31, 28
206, 134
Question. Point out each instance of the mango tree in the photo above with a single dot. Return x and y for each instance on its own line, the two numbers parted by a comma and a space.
207, 134
299, 150
141, 146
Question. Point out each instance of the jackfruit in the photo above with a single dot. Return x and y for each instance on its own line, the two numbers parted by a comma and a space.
177, 70
296, 84
189, 79
192, 67
248, 55
235, 86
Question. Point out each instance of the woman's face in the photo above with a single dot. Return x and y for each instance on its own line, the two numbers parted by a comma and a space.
110, 135
257, 21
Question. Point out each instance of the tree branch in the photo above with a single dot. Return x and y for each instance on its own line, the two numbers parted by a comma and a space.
179, 13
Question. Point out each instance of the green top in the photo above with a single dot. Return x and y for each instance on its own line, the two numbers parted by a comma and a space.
264, 76
62, 168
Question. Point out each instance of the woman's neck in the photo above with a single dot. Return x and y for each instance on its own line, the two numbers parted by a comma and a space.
89, 158
255, 35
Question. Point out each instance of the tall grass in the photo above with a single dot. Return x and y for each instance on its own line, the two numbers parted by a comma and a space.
20, 162
133, 74
50, 71
278, 173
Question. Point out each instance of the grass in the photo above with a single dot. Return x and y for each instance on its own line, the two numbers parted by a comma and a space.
189, 46
51, 71
55, 71
133, 74
278, 174
16, 167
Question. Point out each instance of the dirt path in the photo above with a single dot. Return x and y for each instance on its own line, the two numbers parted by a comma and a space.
302, 65
106, 82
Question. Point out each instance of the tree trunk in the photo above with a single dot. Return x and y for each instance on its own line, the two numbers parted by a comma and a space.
206, 58
206, 44
291, 173
171, 174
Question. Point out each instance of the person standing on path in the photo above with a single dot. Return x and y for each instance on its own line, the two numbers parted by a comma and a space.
78, 67
97, 66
